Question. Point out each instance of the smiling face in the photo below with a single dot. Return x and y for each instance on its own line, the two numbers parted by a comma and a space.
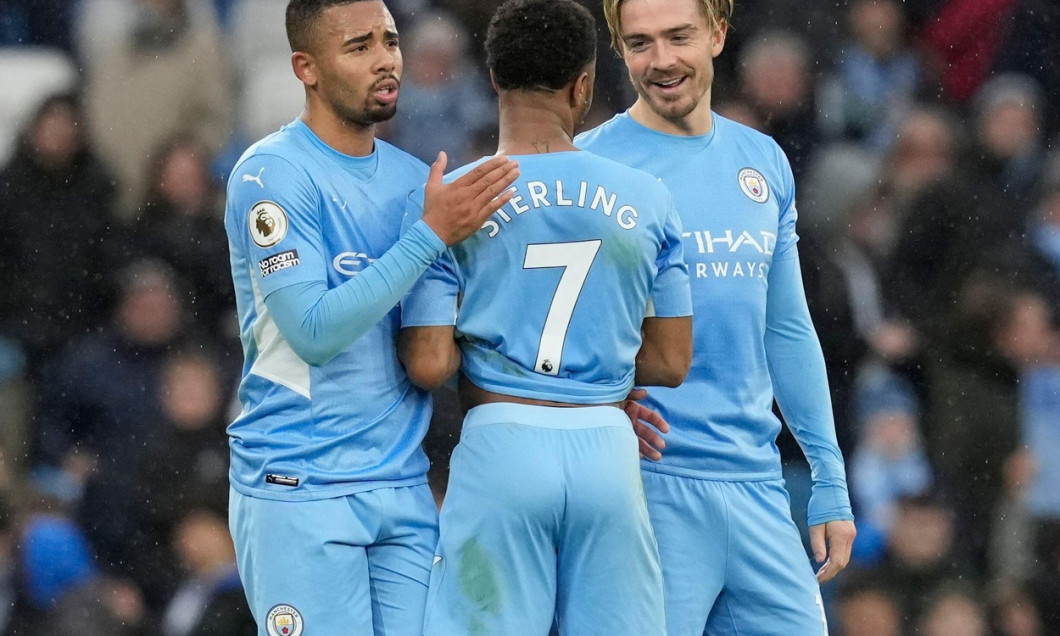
354, 67
669, 47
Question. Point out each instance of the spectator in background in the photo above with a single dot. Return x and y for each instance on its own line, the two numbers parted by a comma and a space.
102, 606
776, 85
1043, 238
167, 74
443, 97
920, 556
184, 465
875, 78
1014, 612
954, 610
890, 462
972, 420
210, 601
976, 218
181, 223
867, 608
99, 408
55, 203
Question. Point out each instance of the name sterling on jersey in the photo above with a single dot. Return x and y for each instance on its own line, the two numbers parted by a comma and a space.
540, 196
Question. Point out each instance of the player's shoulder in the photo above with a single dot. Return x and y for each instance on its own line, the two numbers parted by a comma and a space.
603, 133
618, 172
733, 132
393, 158
282, 147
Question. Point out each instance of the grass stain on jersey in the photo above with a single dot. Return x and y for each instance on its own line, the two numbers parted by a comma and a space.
480, 585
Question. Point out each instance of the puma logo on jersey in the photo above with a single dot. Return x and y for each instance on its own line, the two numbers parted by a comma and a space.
256, 179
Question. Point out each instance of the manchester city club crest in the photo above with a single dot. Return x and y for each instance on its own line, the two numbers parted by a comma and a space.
284, 620
753, 185
268, 223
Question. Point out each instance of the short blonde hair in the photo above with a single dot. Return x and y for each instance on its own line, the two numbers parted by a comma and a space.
717, 12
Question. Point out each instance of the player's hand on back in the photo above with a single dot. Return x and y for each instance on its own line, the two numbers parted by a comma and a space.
458, 209
647, 424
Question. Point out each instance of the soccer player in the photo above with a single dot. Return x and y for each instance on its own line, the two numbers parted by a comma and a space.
573, 289
333, 522
732, 559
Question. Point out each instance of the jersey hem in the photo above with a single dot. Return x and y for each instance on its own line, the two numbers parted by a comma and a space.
327, 492
675, 471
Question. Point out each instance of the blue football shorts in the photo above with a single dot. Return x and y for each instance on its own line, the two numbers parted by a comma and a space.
733, 561
545, 516
356, 565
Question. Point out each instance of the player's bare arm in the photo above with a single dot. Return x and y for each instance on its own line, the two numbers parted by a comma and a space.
430, 355
665, 352
457, 210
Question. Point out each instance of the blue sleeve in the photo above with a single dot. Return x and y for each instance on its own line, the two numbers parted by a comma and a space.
274, 217
671, 295
787, 237
433, 299
319, 322
800, 384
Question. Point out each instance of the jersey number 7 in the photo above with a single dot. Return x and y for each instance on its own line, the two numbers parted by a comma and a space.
576, 259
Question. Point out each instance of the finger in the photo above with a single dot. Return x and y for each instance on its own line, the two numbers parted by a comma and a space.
649, 436
496, 203
647, 452
817, 542
827, 572
481, 175
437, 170
652, 417
637, 395
496, 184
839, 547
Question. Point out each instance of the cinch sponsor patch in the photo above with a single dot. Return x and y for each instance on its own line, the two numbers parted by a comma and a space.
276, 262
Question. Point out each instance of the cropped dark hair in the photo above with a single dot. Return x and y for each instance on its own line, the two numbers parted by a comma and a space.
301, 14
540, 45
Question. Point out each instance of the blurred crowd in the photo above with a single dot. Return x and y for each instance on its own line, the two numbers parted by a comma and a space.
923, 135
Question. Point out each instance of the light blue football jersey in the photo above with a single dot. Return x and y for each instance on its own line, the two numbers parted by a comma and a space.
299, 211
553, 289
734, 190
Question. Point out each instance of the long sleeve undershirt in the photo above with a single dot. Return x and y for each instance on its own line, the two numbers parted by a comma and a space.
800, 384
319, 323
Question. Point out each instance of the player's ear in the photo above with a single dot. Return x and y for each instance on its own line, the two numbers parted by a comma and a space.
717, 39
493, 82
581, 90
305, 68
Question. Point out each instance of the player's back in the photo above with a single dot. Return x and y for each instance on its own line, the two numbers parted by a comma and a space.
556, 284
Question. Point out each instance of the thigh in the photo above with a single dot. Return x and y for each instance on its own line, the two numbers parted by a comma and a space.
399, 562
495, 568
610, 582
303, 565
690, 521
770, 588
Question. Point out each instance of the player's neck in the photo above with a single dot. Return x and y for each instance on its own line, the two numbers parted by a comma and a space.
345, 137
534, 124
698, 122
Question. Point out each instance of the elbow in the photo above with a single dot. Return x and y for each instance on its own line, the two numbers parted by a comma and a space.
314, 356
675, 374
428, 375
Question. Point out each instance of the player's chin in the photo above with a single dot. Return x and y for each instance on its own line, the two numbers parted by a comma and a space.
378, 113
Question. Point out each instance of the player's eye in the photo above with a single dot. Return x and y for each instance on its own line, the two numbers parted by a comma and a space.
637, 45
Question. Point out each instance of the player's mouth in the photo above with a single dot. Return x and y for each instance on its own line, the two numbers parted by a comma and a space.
669, 86
386, 91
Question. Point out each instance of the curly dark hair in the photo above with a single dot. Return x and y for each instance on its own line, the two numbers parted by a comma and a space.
300, 18
540, 45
